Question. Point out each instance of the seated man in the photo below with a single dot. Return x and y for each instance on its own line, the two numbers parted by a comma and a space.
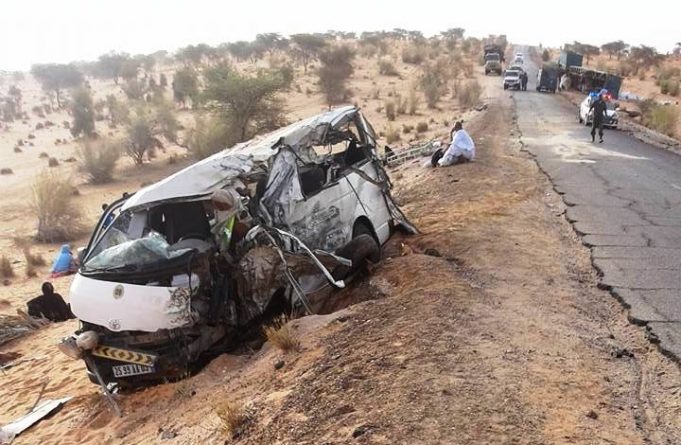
462, 148
49, 305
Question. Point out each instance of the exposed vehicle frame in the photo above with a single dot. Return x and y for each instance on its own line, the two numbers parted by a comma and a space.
168, 280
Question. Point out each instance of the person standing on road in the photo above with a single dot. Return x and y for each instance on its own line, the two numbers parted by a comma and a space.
523, 81
600, 111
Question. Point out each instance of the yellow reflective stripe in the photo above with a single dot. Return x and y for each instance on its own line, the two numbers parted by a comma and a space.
123, 355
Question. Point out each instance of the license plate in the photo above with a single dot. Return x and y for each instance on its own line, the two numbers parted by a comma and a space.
131, 369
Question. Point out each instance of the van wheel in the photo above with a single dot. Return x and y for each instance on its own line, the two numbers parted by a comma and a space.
360, 249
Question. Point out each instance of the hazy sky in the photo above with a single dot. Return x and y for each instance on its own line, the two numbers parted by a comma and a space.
35, 31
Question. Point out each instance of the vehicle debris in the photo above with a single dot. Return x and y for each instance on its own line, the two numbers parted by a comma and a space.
198, 256
11, 430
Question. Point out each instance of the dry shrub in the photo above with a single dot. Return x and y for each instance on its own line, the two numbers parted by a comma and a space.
211, 135
387, 67
52, 162
401, 104
661, 118
282, 335
406, 129
233, 418
421, 127
184, 390
469, 94
6, 269
413, 101
31, 271
6, 171
392, 135
99, 157
390, 110
59, 219
433, 85
412, 54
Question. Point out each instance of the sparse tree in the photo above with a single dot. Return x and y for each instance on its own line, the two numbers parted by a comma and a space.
272, 42
185, 86
110, 65
249, 102
336, 68
308, 47
163, 81
119, 113
56, 77
130, 69
240, 50
83, 112
645, 56
140, 136
614, 48
166, 121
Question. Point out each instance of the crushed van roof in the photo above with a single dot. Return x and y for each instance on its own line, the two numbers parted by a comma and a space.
204, 177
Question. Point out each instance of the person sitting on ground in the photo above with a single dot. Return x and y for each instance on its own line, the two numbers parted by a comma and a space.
461, 149
49, 305
64, 263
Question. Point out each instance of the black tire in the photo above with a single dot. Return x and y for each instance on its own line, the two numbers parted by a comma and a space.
361, 248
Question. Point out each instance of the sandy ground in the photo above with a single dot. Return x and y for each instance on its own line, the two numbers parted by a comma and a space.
486, 328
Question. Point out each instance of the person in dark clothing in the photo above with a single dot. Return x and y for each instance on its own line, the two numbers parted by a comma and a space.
600, 114
49, 305
523, 81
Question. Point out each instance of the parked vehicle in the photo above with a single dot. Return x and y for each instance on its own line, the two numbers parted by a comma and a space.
518, 61
492, 63
547, 78
586, 115
512, 79
194, 259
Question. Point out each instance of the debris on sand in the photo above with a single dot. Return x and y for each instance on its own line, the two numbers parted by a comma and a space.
6, 171
14, 326
13, 429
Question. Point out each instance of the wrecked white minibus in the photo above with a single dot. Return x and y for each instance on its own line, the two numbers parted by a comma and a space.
190, 260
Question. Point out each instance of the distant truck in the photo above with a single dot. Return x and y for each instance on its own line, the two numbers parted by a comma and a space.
547, 78
494, 56
570, 58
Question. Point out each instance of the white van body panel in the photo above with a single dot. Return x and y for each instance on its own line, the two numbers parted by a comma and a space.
129, 307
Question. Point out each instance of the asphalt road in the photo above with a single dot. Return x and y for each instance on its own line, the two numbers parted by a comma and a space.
624, 198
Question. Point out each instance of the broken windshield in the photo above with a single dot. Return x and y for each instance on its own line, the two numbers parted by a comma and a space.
142, 237
132, 253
